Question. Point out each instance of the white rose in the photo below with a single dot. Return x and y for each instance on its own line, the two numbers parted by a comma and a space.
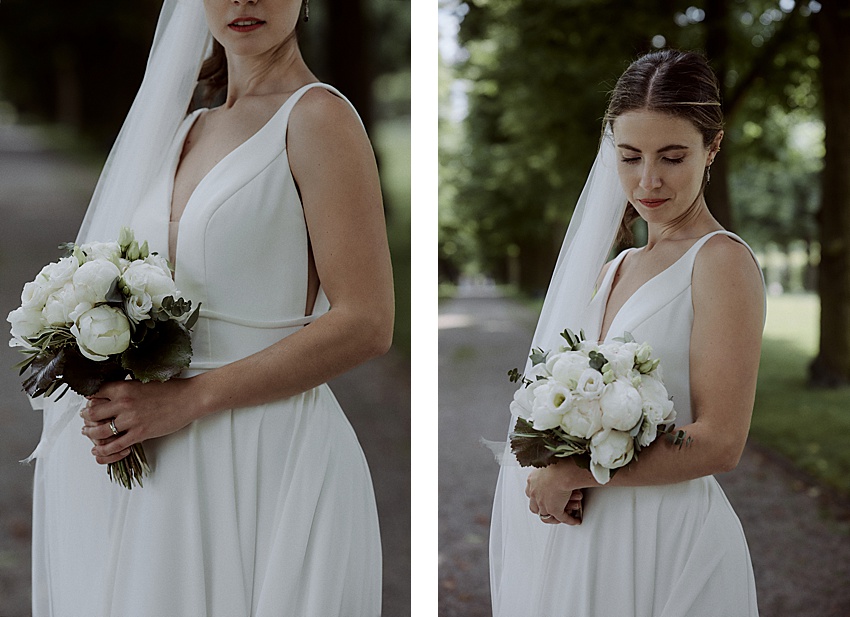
108, 251
138, 308
26, 323
583, 419
609, 450
551, 401
656, 401
569, 367
524, 399
621, 406
145, 278
590, 384
93, 280
101, 332
59, 306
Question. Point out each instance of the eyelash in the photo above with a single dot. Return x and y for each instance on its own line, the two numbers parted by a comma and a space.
631, 161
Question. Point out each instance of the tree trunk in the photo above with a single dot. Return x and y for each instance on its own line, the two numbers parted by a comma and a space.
350, 65
717, 50
832, 365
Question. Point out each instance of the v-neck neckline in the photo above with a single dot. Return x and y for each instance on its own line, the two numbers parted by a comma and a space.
612, 273
191, 119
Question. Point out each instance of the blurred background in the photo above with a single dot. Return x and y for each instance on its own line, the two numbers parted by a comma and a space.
68, 75
523, 85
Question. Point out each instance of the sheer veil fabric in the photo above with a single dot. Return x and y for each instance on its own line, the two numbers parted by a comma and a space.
181, 41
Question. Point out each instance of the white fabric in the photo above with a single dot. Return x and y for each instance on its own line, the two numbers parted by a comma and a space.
158, 111
261, 511
676, 550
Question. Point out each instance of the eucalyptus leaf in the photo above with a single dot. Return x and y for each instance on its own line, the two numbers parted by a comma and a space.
193, 318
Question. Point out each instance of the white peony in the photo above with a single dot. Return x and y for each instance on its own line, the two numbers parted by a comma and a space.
590, 384
621, 406
101, 331
609, 450
142, 278
568, 368
107, 251
583, 419
524, 400
51, 277
60, 305
621, 357
26, 323
160, 262
93, 280
656, 401
551, 401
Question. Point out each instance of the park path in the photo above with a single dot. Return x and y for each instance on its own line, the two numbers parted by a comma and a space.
43, 195
799, 537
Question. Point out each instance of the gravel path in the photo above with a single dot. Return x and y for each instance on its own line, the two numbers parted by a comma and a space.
42, 199
799, 535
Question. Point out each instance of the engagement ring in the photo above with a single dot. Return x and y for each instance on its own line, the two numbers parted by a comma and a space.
112, 426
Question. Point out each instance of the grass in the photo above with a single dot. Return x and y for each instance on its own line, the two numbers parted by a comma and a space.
808, 426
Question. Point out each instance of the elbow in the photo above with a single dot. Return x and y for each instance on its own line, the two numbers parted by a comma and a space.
378, 334
729, 458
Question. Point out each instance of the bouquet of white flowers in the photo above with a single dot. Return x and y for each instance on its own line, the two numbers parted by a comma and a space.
598, 404
107, 311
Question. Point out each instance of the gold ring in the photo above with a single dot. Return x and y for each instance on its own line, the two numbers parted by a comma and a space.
112, 426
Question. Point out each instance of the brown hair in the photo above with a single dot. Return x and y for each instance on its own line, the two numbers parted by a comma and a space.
679, 83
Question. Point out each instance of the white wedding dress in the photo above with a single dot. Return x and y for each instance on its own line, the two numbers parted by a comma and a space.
675, 550
265, 511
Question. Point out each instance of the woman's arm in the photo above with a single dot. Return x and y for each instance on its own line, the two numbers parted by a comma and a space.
334, 168
724, 355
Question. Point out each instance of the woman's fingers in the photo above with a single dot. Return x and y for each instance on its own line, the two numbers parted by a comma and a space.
113, 458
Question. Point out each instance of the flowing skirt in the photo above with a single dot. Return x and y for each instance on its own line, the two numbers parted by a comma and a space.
676, 550
262, 512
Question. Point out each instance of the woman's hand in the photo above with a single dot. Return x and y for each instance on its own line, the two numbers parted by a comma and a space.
139, 412
554, 493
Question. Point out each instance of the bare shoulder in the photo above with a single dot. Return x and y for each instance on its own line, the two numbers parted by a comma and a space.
321, 113
725, 270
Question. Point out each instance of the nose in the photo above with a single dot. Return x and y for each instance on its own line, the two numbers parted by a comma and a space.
650, 178
240, 2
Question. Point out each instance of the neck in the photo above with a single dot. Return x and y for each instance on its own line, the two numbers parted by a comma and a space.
280, 70
695, 222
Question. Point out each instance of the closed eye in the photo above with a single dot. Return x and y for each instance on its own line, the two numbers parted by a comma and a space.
630, 160
675, 161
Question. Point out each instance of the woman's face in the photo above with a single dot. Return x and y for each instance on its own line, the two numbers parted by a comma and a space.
251, 27
661, 162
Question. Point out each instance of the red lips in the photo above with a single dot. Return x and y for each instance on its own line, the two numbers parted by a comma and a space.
245, 24
652, 203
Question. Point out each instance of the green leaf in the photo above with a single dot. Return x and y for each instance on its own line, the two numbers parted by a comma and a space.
46, 369
597, 360
538, 357
165, 351
193, 318
530, 445
514, 375
85, 376
114, 296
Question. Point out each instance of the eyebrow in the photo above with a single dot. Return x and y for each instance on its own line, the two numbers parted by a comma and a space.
664, 149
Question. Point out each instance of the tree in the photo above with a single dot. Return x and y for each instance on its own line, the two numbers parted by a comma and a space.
832, 365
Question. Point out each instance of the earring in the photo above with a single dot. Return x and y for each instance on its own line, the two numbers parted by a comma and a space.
306, 10
708, 174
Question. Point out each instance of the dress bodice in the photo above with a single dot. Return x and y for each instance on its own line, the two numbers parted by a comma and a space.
661, 313
243, 229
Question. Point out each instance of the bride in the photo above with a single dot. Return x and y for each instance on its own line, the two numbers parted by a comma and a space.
660, 539
259, 501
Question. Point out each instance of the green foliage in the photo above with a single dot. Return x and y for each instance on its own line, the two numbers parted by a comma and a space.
809, 426
165, 351
537, 74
